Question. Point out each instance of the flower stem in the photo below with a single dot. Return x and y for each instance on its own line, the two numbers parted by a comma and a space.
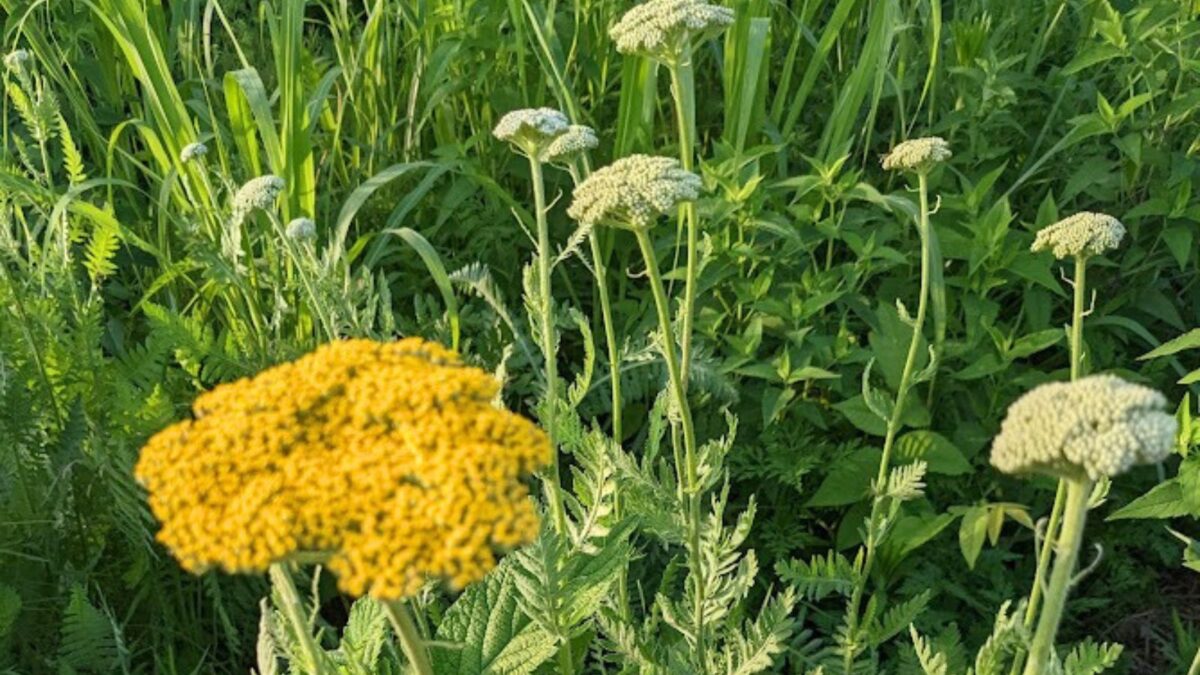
1051, 534
894, 423
546, 310
293, 611
1075, 515
688, 476
683, 91
410, 637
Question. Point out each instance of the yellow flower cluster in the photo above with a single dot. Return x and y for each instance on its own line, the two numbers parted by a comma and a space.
388, 459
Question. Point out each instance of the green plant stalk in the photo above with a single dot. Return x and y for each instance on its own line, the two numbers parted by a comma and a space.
545, 308
1075, 515
1060, 495
683, 91
293, 610
410, 637
689, 473
1195, 668
894, 424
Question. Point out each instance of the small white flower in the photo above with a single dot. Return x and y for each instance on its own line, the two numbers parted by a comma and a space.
660, 29
17, 60
569, 144
302, 229
633, 191
919, 154
257, 193
192, 151
530, 130
1096, 426
1084, 234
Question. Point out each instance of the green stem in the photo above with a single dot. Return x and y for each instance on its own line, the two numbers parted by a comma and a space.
546, 310
683, 91
1075, 515
689, 474
1195, 668
1051, 534
293, 611
895, 422
410, 637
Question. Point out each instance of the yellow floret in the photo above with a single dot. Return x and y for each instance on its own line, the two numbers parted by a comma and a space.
388, 459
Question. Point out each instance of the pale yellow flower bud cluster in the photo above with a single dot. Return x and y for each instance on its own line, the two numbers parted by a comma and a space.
1096, 426
661, 29
258, 193
530, 130
918, 154
192, 151
1083, 234
633, 191
568, 145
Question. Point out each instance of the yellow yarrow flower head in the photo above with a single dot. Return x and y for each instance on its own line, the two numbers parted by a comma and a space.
568, 145
633, 192
258, 193
301, 229
1096, 426
1083, 234
531, 130
663, 29
918, 155
386, 459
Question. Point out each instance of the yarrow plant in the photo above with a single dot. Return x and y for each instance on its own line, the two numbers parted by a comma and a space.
917, 155
531, 130
634, 192
192, 151
301, 229
1095, 427
17, 61
258, 193
387, 461
664, 29
1083, 234
570, 144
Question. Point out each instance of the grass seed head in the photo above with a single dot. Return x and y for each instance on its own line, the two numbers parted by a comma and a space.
633, 191
1083, 234
1096, 426
661, 29
389, 459
918, 155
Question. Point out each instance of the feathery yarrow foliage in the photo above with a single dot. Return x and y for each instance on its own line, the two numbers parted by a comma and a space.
531, 130
662, 29
301, 229
1096, 426
387, 459
633, 191
192, 151
1083, 234
568, 145
918, 154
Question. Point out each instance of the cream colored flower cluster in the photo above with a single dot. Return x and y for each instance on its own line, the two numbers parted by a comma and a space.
1084, 234
301, 229
633, 191
1096, 426
17, 60
257, 193
660, 29
192, 151
919, 154
570, 144
530, 130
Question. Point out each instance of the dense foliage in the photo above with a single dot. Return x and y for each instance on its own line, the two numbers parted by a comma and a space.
762, 465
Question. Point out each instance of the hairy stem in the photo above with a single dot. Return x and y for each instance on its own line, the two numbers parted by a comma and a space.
895, 422
688, 476
1074, 517
293, 611
546, 311
410, 638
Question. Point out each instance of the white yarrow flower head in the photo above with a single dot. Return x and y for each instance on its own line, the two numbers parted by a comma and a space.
17, 61
662, 29
1095, 426
568, 145
531, 130
633, 192
192, 151
918, 155
302, 229
1083, 234
257, 193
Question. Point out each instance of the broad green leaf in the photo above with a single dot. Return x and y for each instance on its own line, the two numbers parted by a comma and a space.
972, 532
849, 480
1165, 500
